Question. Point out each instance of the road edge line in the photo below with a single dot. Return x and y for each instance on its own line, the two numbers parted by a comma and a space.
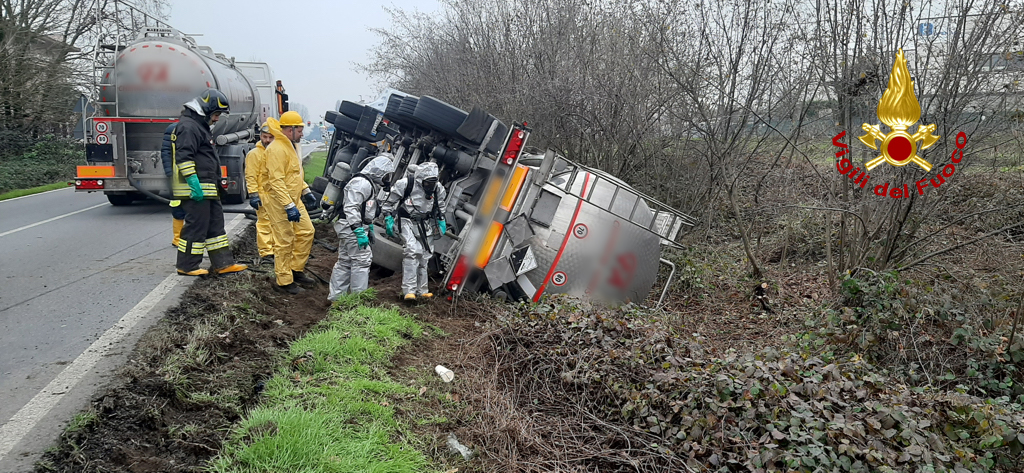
25, 420
12, 199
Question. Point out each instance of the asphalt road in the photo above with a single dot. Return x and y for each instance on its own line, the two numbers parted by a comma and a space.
71, 267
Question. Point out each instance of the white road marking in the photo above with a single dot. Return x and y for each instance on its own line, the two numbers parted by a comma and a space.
26, 227
30, 414
33, 195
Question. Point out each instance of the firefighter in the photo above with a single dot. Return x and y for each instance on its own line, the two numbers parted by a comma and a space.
287, 196
255, 181
420, 204
177, 212
196, 171
355, 229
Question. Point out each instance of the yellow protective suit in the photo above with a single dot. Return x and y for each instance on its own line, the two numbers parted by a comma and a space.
284, 185
255, 164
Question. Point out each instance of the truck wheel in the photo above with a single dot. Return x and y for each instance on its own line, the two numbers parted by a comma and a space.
233, 199
319, 185
439, 115
120, 200
351, 109
345, 124
392, 109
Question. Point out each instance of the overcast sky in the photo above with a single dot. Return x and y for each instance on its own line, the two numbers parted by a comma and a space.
312, 46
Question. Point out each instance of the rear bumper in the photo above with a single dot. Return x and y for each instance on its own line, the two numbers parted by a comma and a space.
120, 184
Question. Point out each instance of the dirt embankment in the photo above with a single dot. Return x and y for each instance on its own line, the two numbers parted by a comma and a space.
192, 376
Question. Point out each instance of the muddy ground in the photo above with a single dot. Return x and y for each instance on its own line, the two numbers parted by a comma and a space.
192, 375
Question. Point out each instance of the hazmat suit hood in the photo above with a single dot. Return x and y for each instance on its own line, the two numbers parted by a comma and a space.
275, 129
426, 171
379, 167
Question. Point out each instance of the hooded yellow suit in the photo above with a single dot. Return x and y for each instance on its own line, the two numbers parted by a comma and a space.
284, 185
255, 175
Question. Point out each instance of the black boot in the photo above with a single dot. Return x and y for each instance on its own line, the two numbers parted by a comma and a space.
292, 289
301, 278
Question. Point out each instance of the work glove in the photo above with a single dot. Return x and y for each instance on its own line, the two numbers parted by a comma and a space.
442, 225
308, 199
254, 200
196, 190
361, 239
293, 213
389, 225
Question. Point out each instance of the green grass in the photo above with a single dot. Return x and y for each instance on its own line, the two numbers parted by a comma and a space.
327, 408
315, 167
33, 190
81, 421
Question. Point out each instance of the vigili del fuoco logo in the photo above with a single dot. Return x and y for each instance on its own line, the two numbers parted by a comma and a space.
899, 110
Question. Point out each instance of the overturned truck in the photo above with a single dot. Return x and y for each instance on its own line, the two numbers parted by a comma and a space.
520, 224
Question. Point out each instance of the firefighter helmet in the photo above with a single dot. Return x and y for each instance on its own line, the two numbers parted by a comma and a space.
213, 101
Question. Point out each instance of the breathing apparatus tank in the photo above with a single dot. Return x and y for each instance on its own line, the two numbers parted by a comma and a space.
340, 173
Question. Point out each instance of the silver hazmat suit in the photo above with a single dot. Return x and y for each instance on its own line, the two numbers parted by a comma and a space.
352, 271
417, 226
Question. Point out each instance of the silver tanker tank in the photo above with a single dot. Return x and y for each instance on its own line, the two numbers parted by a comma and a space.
163, 69
144, 88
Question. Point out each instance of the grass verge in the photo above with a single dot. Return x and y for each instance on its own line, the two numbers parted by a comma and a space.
315, 166
327, 407
33, 190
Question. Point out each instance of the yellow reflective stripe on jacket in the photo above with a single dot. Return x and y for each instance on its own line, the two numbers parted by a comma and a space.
187, 168
183, 191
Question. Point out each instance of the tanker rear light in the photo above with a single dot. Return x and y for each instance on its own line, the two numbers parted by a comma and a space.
515, 143
458, 274
224, 177
89, 184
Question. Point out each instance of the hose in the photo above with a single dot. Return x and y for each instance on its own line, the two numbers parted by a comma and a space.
167, 201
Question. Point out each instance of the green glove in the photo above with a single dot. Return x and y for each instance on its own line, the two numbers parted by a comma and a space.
389, 225
193, 185
442, 225
361, 239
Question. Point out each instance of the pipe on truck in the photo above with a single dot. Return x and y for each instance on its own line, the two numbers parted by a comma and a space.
243, 135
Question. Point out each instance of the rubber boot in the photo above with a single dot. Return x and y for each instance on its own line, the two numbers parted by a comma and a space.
194, 272
410, 297
177, 224
427, 295
232, 269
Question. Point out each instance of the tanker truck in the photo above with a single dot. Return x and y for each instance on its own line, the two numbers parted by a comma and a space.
522, 223
141, 91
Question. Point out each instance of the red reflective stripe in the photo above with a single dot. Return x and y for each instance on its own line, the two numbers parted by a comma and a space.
565, 241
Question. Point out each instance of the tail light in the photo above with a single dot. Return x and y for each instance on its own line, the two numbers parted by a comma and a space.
515, 143
458, 274
89, 184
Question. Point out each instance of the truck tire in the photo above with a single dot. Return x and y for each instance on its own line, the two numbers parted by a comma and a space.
319, 185
351, 109
120, 200
407, 108
439, 115
233, 199
345, 124
391, 110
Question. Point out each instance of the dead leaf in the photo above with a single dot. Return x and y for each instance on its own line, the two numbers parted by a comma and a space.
423, 390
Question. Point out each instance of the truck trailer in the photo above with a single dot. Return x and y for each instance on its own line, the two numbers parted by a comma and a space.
522, 223
141, 90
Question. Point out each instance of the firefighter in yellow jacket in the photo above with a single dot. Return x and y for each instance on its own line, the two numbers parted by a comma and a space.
255, 181
287, 196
